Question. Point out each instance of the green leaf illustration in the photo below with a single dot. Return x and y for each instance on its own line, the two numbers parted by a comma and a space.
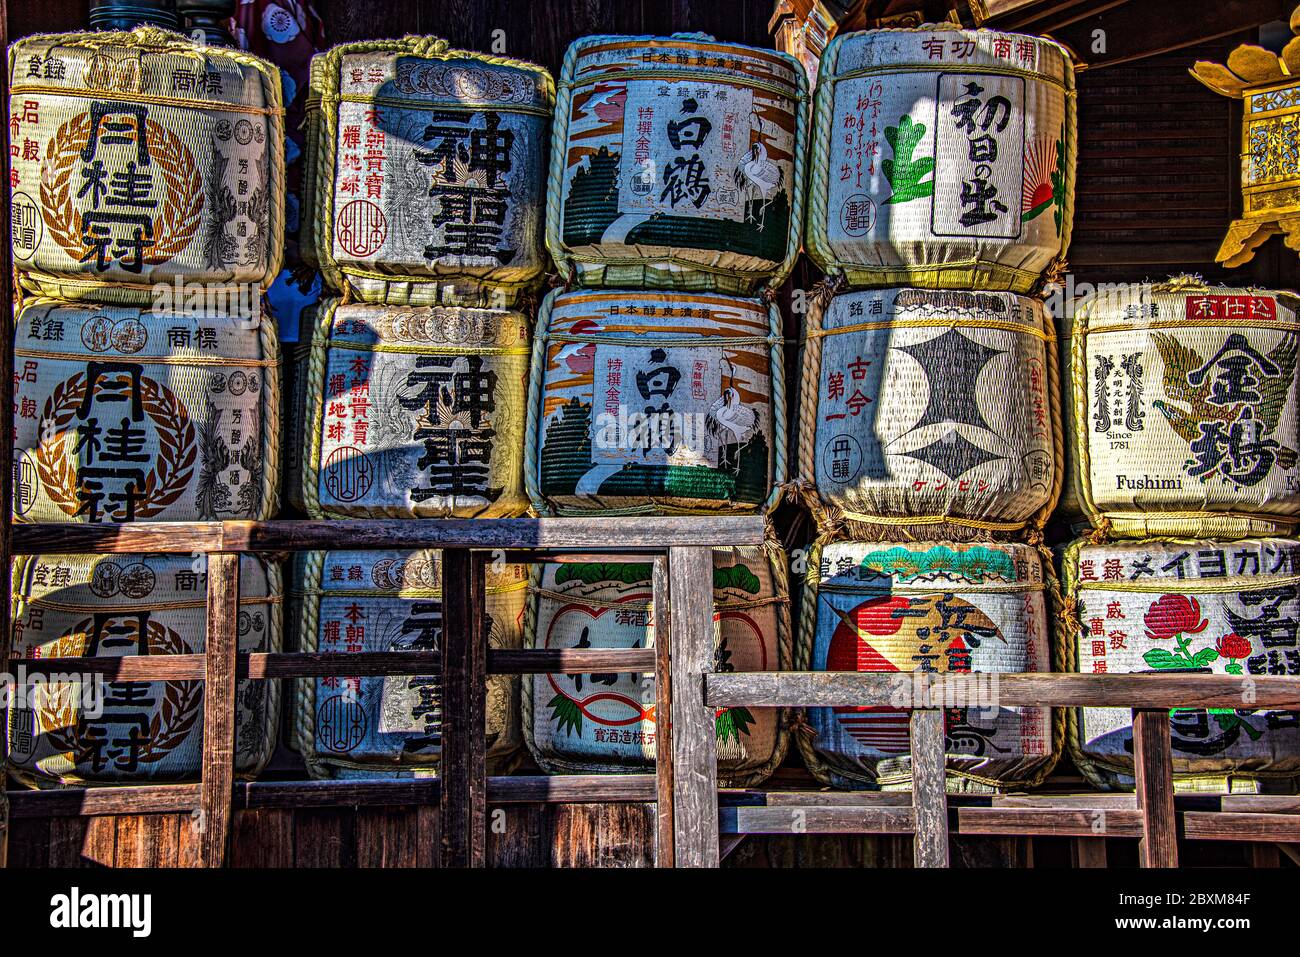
1204, 657
567, 715
1160, 658
1058, 182
732, 723
1234, 668
905, 172
738, 577
629, 573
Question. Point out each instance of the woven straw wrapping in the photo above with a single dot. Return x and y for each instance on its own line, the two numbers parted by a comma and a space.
429, 168
122, 413
416, 412
140, 158
377, 601
74, 606
1185, 411
930, 414
946, 608
942, 158
1180, 606
677, 162
607, 722
655, 403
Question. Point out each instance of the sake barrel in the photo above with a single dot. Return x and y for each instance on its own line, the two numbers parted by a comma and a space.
677, 162
71, 730
942, 158
416, 412
1187, 607
932, 410
123, 413
953, 615
608, 722
654, 402
356, 602
141, 158
429, 171
1185, 410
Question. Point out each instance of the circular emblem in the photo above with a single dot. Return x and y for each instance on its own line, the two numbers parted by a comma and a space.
172, 463
842, 460
223, 130
858, 214
26, 482
97, 333
279, 24
129, 336
361, 228
27, 226
379, 574
245, 623
254, 383
106, 579
177, 191
138, 580
348, 474
237, 383
340, 724
243, 132
218, 383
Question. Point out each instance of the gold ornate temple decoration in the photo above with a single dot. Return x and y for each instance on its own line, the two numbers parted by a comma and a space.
1269, 87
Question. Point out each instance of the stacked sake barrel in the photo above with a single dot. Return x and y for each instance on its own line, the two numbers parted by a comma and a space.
930, 445
147, 194
1188, 464
675, 207
427, 170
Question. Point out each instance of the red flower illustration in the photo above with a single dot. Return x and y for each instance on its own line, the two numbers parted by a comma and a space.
1174, 615
1232, 646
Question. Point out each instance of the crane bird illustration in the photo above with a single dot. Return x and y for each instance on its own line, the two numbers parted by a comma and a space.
729, 415
758, 180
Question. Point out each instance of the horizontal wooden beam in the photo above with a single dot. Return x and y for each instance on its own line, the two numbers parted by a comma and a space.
300, 664
636, 534
851, 688
251, 795
817, 819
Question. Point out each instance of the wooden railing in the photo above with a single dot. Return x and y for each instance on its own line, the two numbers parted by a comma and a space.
681, 551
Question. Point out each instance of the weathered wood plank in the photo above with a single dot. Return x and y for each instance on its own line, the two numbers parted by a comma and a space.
603, 835
323, 838
296, 664
695, 763
817, 819
842, 688
663, 716
222, 643
1046, 822
1153, 769
262, 838
1089, 852
66, 835
1233, 826
929, 795
388, 837
639, 534
464, 700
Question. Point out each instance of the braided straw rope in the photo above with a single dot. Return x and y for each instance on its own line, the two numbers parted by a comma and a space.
972, 273
1034, 770
833, 521
159, 41
1172, 523
1111, 775
667, 271
537, 398
398, 289
738, 776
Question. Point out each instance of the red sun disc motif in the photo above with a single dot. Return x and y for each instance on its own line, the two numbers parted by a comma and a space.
361, 228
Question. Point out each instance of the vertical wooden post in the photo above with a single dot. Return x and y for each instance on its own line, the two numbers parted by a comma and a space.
1089, 852
464, 704
664, 856
1153, 768
221, 647
694, 736
6, 404
929, 796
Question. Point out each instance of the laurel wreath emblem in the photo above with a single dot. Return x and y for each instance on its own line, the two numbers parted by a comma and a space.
173, 465
177, 218
178, 711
